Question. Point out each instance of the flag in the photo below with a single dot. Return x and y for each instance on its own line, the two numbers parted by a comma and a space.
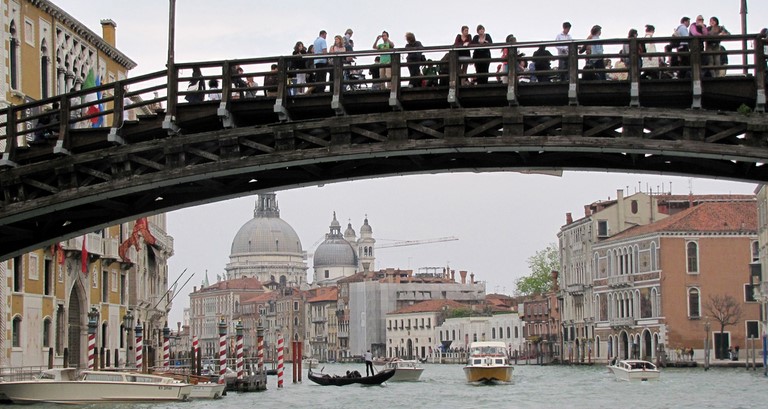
60, 253
91, 81
142, 227
84, 258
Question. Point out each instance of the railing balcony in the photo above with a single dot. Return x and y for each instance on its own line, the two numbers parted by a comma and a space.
624, 322
576, 289
93, 244
624, 280
111, 246
163, 240
319, 320
343, 334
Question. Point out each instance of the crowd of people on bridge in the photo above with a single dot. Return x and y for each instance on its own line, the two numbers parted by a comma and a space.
315, 72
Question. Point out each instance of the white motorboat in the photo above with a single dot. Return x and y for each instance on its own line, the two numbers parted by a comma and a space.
65, 385
634, 370
310, 363
405, 370
207, 390
488, 362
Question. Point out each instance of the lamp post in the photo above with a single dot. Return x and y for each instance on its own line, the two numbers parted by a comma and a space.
93, 317
128, 325
707, 327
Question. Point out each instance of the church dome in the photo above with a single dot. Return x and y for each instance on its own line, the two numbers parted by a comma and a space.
266, 232
334, 252
366, 229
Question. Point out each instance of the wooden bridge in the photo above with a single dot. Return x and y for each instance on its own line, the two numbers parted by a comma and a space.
700, 117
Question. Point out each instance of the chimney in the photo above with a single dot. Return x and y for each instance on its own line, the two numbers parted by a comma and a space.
194, 288
568, 218
586, 211
472, 278
463, 275
620, 209
108, 31
453, 275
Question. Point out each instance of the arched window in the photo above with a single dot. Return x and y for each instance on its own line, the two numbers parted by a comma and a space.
44, 68
633, 206
692, 255
13, 56
694, 305
493, 333
509, 332
755, 251
654, 260
16, 328
46, 332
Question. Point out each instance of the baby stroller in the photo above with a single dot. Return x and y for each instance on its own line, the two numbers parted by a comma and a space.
356, 74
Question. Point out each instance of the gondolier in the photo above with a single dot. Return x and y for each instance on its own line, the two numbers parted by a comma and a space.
369, 363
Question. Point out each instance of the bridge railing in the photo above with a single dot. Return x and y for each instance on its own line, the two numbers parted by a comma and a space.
284, 79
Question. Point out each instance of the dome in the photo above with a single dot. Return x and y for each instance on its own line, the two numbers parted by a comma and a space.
365, 229
266, 232
266, 235
334, 252
349, 234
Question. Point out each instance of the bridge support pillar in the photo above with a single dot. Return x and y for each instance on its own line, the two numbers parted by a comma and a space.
760, 101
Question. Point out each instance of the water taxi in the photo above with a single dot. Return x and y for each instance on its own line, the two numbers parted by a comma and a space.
488, 362
634, 370
66, 385
405, 370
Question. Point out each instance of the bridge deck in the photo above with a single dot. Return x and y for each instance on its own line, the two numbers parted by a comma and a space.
82, 178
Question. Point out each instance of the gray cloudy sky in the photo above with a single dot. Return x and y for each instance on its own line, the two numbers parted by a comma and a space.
501, 219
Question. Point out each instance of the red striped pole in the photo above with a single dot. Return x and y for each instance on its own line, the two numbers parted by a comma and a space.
166, 347
222, 350
279, 360
239, 349
139, 346
93, 317
260, 347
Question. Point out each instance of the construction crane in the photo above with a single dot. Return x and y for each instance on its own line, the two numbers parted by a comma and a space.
416, 242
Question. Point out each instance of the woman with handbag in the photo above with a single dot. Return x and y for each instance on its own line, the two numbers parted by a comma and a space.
196, 85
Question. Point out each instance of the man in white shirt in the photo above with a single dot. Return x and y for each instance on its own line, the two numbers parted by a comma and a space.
562, 50
369, 363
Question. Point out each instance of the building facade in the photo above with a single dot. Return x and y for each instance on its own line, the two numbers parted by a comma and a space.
49, 293
658, 288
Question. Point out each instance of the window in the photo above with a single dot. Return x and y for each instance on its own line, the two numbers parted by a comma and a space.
46, 332
13, 56
18, 275
104, 286
749, 294
16, 341
752, 329
755, 251
602, 228
493, 333
633, 207
694, 308
295, 305
122, 288
692, 255
327, 273
48, 267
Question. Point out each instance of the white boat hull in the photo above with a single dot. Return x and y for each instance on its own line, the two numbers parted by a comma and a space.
406, 375
208, 390
634, 370
91, 392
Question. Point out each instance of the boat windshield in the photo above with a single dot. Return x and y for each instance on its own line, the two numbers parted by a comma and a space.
487, 351
103, 377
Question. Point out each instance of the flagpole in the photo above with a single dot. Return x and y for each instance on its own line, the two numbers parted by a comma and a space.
743, 13
170, 116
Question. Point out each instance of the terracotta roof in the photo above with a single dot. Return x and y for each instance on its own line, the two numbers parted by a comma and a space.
325, 294
430, 306
708, 217
244, 283
257, 298
705, 198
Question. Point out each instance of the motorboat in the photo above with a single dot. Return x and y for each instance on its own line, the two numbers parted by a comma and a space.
634, 370
350, 378
66, 385
405, 370
488, 363
311, 363
207, 390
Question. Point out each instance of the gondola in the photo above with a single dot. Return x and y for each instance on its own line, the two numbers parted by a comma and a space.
326, 380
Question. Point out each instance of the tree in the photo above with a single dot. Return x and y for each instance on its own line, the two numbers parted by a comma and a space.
541, 264
725, 310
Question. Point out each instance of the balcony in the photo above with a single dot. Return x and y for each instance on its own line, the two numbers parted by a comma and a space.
343, 334
93, 244
319, 339
576, 289
162, 239
624, 280
625, 322
110, 251
319, 320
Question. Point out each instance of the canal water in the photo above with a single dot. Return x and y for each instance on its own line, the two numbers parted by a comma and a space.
444, 386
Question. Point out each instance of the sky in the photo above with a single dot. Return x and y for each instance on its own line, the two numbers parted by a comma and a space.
500, 219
